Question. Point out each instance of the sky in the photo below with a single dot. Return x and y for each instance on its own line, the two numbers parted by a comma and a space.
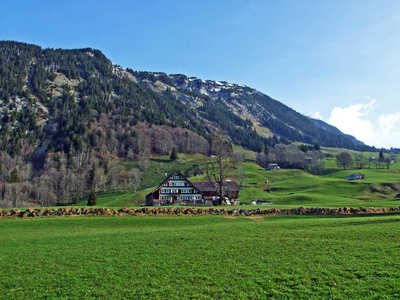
335, 60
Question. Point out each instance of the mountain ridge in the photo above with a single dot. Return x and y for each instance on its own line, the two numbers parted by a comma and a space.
261, 111
44, 86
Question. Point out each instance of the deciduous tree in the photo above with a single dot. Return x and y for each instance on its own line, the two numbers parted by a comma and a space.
344, 159
134, 179
388, 162
219, 166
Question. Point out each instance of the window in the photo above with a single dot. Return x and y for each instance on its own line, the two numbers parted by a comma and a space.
174, 191
191, 197
164, 198
176, 183
165, 191
186, 191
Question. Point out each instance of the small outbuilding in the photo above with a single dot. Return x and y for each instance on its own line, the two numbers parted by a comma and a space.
198, 172
273, 166
356, 176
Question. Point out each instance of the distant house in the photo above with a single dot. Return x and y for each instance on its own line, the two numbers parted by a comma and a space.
356, 176
273, 166
210, 191
175, 189
198, 172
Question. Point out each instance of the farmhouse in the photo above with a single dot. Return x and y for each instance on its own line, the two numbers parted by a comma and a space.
355, 176
177, 189
273, 166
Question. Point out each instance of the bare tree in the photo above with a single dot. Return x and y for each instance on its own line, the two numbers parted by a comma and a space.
219, 165
317, 161
113, 172
360, 160
344, 159
238, 157
388, 161
144, 164
134, 179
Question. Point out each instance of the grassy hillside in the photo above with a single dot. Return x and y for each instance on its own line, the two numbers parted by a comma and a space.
285, 188
209, 257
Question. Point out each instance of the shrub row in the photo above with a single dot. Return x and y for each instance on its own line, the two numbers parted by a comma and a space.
85, 211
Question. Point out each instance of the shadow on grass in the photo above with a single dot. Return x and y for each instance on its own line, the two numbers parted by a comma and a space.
343, 216
362, 215
164, 161
344, 220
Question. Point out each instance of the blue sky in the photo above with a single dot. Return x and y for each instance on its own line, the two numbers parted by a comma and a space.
335, 60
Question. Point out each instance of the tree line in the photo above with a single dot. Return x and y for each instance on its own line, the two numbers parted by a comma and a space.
294, 157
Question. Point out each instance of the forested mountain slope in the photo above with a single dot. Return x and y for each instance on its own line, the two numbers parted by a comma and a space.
57, 95
222, 102
66, 116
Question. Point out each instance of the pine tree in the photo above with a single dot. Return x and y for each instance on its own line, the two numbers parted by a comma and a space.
91, 176
14, 177
92, 198
381, 156
174, 154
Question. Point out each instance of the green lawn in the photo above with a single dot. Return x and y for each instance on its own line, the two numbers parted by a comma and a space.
299, 188
159, 165
287, 188
211, 257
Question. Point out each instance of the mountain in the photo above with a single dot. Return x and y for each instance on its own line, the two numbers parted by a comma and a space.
265, 115
69, 100
72, 122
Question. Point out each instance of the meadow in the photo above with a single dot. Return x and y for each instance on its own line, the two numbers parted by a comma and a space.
284, 188
209, 257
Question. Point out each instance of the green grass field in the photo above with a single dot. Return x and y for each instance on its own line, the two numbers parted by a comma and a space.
212, 257
287, 188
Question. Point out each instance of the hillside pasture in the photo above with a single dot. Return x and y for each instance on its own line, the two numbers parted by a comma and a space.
285, 188
209, 257
300, 188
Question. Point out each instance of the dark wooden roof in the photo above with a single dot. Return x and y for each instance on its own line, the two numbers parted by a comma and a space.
206, 186
358, 173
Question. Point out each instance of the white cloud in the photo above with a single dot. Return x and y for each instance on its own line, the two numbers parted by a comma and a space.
316, 115
358, 120
388, 123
